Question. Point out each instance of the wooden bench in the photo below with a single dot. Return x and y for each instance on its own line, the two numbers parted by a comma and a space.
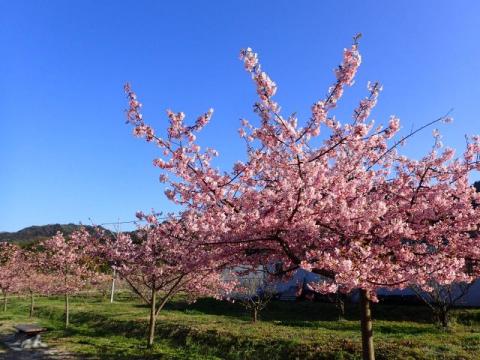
28, 336
29, 329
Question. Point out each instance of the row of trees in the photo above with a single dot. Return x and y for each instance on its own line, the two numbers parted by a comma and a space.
53, 267
335, 198
158, 263
162, 261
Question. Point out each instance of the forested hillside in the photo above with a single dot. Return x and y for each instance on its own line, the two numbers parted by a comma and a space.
37, 233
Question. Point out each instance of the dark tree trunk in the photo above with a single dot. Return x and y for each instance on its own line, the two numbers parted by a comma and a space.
442, 317
254, 315
367, 326
4, 301
153, 316
32, 304
67, 311
340, 304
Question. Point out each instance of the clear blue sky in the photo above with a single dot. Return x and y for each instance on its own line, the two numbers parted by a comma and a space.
66, 154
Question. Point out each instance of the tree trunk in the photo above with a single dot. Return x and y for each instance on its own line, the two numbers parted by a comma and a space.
340, 304
67, 311
442, 316
153, 316
113, 287
366, 325
254, 315
4, 301
32, 303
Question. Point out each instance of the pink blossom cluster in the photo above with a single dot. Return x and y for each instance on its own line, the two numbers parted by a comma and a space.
67, 262
22, 271
8, 268
164, 259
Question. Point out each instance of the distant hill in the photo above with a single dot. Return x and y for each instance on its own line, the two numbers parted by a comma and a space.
37, 233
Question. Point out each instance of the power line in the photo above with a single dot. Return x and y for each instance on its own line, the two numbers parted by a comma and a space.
134, 221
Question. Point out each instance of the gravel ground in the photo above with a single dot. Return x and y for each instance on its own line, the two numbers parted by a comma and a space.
9, 352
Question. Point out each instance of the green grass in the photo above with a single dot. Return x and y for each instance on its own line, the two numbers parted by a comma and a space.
212, 329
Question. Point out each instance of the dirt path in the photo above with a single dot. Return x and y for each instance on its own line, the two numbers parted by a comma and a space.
35, 355
8, 353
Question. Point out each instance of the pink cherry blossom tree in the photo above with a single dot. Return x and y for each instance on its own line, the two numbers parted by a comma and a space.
32, 279
336, 198
69, 265
163, 262
9, 280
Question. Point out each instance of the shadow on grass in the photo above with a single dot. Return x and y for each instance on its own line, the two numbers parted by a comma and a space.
296, 312
275, 311
105, 337
110, 335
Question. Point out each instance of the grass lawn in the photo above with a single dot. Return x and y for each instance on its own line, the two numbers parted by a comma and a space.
212, 329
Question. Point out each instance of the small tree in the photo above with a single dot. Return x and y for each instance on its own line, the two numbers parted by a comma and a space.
164, 261
68, 264
254, 289
33, 281
441, 299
